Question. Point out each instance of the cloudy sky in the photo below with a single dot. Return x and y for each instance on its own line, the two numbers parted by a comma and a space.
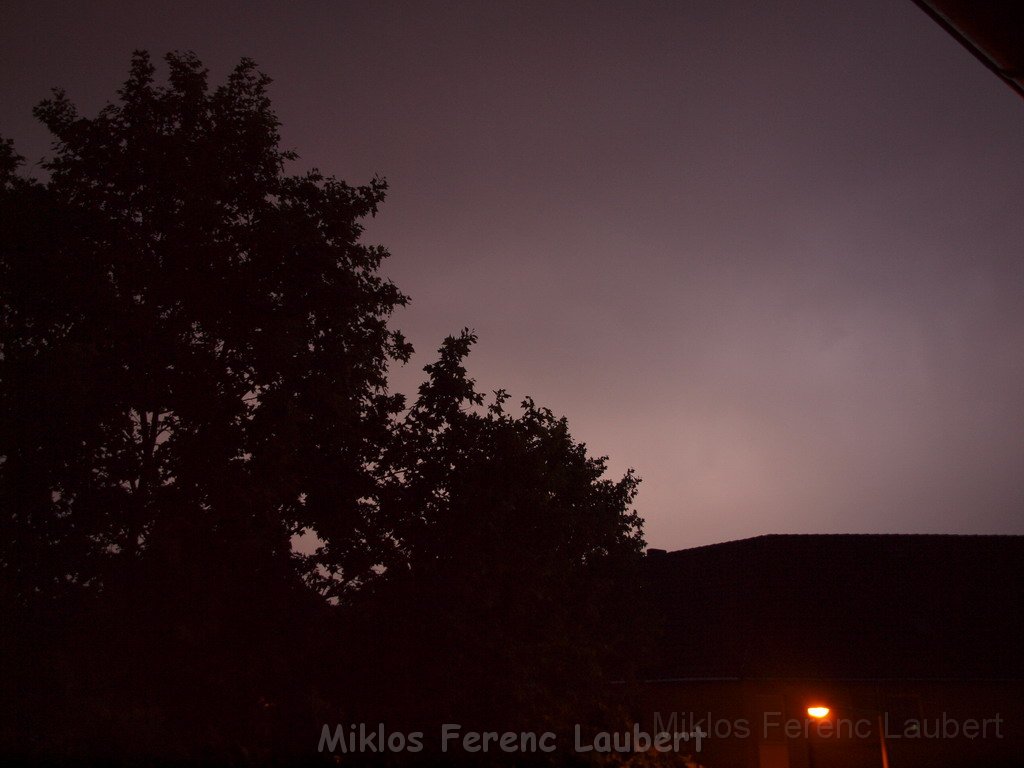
771, 254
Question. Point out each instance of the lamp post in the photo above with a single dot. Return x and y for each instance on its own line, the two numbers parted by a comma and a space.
820, 711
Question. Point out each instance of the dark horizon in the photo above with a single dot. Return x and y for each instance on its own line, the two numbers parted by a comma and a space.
769, 256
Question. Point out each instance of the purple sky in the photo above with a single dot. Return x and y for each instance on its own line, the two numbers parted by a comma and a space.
770, 254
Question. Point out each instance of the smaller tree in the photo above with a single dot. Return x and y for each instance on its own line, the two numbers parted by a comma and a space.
513, 607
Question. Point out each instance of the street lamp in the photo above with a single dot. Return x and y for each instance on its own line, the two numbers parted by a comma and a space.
820, 712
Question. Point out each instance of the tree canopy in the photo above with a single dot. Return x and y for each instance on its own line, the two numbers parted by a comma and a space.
193, 369
519, 555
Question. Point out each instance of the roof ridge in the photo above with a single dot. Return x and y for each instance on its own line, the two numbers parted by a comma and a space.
777, 536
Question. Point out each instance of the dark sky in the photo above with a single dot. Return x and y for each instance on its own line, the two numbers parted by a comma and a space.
768, 253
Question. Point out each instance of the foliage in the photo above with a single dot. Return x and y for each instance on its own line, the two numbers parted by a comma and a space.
194, 343
514, 599
193, 368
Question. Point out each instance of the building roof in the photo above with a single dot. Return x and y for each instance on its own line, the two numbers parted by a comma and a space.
992, 30
841, 607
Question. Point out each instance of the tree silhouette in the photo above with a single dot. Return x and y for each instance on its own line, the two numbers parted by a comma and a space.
194, 357
193, 369
516, 596
203, 337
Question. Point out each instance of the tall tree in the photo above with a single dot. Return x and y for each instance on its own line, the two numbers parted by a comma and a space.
195, 344
193, 359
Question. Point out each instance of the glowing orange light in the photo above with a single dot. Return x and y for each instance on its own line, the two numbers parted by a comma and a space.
818, 712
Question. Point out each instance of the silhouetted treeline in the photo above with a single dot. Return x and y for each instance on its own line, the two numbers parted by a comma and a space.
195, 348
